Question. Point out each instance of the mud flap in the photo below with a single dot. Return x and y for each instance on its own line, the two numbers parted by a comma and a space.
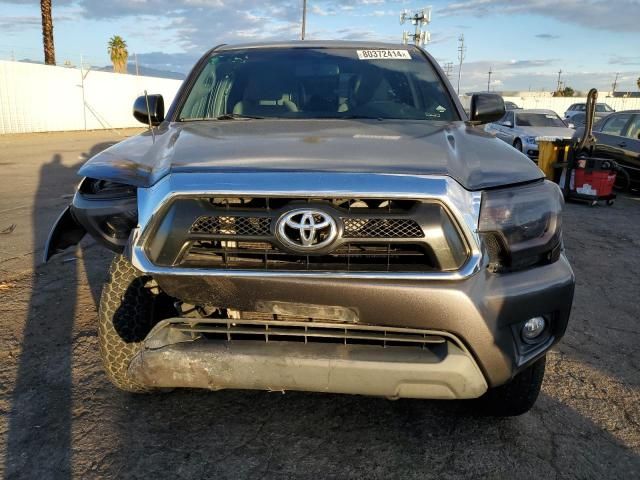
65, 233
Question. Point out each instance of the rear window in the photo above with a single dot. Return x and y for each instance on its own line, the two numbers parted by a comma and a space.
319, 83
539, 120
603, 107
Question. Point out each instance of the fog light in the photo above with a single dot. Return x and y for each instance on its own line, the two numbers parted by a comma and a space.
533, 328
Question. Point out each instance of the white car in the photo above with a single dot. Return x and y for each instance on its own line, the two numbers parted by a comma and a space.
602, 110
521, 128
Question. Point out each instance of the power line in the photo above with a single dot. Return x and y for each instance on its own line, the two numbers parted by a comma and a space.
417, 18
462, 51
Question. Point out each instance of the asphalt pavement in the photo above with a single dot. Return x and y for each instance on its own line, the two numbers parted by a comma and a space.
60, 417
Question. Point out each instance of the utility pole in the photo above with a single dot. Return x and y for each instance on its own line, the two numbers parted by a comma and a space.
559, 82
462, 50
135, 56
615, 84
418, 19
489, 80
304, 19
448, 68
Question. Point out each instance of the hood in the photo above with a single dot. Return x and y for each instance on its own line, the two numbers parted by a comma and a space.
561, 132
472, 157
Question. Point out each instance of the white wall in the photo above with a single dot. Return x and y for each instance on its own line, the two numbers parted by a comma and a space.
560, 104
43, 98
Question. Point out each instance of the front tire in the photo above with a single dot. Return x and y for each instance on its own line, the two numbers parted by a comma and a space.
518, 144
126, 315
518, 395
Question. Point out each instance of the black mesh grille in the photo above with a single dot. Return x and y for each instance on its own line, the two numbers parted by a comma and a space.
353, 257
381, 228
242, 226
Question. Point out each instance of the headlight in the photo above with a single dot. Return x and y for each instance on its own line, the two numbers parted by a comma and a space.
522, 226
530, 140
107, 210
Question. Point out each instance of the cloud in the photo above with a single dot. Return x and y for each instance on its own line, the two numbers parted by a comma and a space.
613, 15
15, 24
317, 10
547, 36
540, 74
19, 23
177, 62
438, 37
622, 60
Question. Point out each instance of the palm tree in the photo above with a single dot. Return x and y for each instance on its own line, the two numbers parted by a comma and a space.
117, 49
638, 83
47, 32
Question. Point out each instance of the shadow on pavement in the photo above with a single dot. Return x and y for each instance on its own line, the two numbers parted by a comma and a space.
39, 433
228, 435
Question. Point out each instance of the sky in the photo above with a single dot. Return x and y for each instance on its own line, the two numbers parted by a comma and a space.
525, 43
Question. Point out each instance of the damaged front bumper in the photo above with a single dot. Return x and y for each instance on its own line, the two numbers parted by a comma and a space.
176, 354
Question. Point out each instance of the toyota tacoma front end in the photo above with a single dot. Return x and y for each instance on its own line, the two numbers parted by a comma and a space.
324, 217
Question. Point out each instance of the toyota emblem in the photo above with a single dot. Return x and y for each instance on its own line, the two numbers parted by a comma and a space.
306, 229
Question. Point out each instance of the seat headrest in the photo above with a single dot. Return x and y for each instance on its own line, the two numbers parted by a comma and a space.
267, 86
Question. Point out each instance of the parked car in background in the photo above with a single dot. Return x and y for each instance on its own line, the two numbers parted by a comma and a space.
576, 121
511, 106
618, 138
521, 128
602, 110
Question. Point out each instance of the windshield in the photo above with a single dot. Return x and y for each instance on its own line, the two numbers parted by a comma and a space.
318, 83
603, 107
539, 120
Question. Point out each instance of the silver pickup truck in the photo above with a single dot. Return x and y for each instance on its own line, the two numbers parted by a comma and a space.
323, 216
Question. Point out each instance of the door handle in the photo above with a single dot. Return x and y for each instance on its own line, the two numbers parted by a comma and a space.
622, 144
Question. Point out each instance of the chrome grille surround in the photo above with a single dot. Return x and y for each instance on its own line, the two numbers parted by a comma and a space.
463, 207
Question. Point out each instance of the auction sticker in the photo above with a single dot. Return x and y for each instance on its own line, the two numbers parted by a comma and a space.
383, 54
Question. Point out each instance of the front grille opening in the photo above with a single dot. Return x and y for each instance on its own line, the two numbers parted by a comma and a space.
356, 205
231, 225
381, 228
309, 332
352, 257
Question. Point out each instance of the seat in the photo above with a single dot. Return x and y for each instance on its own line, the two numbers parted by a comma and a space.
266, 95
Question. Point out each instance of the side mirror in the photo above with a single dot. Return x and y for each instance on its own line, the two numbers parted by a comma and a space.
486, 108
156, 109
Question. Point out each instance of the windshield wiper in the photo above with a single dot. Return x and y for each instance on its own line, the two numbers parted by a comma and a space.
226, 116
357, 117
237, 116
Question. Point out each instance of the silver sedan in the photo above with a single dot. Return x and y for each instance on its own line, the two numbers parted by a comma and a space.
521, 128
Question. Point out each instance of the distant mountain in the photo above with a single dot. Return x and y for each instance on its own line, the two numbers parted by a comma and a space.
131, 69
145, 71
